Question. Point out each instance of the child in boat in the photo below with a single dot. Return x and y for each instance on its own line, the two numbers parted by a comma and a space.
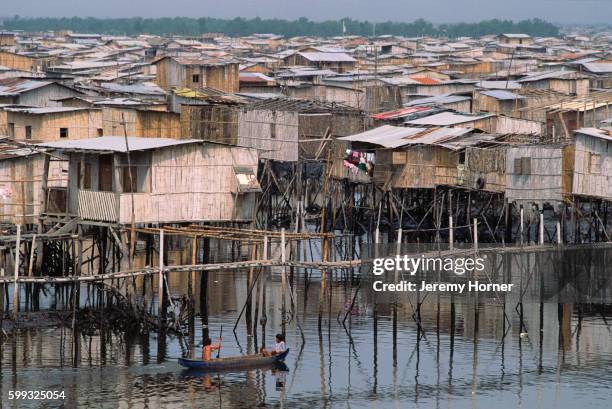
209, 347
279, 346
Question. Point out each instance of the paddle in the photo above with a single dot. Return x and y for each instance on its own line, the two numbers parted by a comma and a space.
219, 350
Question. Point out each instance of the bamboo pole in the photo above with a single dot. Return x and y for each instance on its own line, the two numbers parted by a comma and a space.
264, 315
16, 277
30, 266
283, 282
541, 229
160, 290
475, 234
451, 236
522, 224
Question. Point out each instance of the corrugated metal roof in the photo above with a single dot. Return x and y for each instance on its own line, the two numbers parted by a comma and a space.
146, 89
389, 136
598, 67
498, 84
327, 57
426, 81
595, 132
447, 118
438, 99
16, 86
470, 140
45, 110
516, 35
398, 113
116, 144
254, 77
559, 74
304, 72
502, 95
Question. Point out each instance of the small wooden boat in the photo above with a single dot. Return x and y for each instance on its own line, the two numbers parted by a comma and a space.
233, 362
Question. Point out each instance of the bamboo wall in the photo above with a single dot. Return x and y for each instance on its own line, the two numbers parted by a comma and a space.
142, 123
46, 127
21, 194
316, 126
192, 183
488, 165
273, 133
21, 62
223, 77
593, 167
546, 177
425, 167
217, 123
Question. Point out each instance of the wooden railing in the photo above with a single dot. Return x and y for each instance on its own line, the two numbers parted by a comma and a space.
100, 206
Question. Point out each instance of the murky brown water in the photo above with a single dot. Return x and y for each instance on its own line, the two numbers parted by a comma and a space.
566, 366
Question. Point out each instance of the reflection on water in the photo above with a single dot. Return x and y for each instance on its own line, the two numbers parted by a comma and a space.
458, 357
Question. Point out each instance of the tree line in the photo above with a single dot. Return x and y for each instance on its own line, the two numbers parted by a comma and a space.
290, 28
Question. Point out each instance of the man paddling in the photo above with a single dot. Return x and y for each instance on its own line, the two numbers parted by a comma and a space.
209, 347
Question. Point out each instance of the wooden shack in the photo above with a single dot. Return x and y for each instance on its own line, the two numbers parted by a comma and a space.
489, 123
336, 61
35, 93
566, 82
286, 129
564, 118
415, 158
593, 163
515, 39
22, 196
52, 123
539, 173
208, 115
168, 181
23, 62
7, 39
141, 122
182, 72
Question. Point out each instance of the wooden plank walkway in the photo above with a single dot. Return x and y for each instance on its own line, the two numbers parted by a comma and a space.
317, 265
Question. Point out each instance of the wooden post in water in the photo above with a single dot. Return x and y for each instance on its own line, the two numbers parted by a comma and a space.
16, 284
451, 235
31, 261
559, 241
249, 301
323, 281
475, 234
283, 282
377, 231
191, 293
541, 229
264, 315
398, 248
160, 306
522, 224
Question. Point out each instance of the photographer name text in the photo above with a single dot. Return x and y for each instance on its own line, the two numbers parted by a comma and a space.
424, 286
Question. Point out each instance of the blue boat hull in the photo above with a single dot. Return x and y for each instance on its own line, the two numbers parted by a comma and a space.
235, 362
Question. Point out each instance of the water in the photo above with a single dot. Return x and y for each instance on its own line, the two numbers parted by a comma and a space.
567, 365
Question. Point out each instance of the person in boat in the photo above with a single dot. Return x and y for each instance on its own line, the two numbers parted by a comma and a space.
278, 348
209, 347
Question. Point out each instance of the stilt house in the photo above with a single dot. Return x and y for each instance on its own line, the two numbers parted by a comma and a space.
118, 180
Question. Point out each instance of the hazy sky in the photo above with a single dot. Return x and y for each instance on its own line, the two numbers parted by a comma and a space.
561, 11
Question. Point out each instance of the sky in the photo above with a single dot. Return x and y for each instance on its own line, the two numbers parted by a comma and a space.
437, 11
